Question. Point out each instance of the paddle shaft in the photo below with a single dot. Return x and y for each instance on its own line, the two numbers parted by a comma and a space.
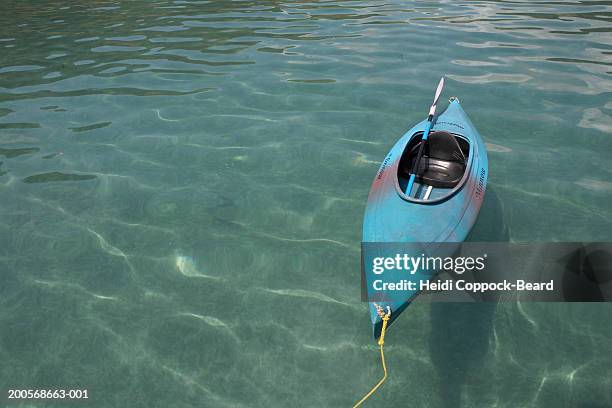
415, 166
432, 112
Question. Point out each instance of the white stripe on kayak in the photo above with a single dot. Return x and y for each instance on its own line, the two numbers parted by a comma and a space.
428, 192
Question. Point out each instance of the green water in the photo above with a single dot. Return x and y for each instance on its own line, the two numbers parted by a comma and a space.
182, 186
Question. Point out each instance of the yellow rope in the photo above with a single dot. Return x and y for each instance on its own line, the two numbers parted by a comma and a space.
381, 342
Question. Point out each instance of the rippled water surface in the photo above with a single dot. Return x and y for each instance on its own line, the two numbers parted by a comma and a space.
182, 186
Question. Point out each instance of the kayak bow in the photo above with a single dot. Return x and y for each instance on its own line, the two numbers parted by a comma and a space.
449, 186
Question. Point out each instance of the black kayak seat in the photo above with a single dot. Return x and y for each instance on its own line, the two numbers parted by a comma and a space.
442, 164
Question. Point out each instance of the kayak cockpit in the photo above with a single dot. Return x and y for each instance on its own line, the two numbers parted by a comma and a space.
441, 168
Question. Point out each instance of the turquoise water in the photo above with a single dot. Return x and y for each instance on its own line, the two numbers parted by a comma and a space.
182, 186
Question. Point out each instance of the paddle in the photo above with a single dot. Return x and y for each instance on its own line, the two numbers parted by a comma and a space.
432, 112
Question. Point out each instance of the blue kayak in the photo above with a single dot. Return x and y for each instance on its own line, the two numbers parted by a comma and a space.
444, 200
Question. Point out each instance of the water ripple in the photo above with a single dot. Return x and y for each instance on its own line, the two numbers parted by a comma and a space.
183, 185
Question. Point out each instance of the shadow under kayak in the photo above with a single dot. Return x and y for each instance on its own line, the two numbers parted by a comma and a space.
444, 201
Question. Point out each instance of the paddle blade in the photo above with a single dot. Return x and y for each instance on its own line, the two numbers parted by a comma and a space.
432, 110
